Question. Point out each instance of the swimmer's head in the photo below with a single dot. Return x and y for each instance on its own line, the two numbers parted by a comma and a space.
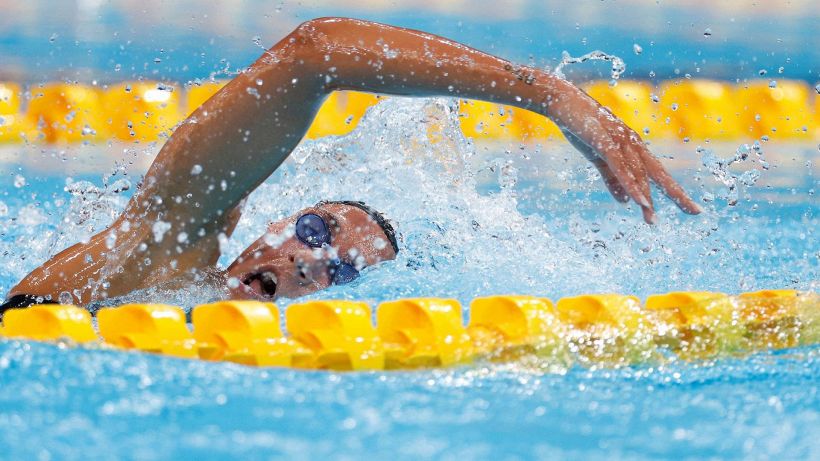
327, 244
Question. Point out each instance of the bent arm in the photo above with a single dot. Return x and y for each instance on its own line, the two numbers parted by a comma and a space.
236, 139
248, 129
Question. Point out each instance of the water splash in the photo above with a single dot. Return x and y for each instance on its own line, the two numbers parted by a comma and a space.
473, 220
618, 65
734, 182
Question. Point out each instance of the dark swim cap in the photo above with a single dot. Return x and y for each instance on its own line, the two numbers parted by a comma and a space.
20, 301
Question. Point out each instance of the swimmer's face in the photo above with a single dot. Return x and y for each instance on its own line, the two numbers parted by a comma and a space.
293, 258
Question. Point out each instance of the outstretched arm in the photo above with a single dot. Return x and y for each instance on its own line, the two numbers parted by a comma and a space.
248, 129
234, 141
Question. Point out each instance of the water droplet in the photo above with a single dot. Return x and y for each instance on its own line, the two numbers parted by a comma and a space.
654, 97
65, 298
196, 170
817, 88
637, 49
159, 229
233, 282
19, 181
708, 32
674, 106
761, 72
182, 237
773, 84
253, 92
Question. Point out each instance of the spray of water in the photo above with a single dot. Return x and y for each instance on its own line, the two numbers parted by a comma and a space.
473, 221
734, 182
618, 65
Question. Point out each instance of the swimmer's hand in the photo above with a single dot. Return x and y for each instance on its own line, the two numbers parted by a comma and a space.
625, 163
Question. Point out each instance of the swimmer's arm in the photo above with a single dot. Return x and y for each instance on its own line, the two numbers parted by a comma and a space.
239, 137
236, 139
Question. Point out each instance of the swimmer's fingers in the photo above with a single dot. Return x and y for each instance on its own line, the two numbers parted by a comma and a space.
627, 167
635, 146
668, 185
609, 178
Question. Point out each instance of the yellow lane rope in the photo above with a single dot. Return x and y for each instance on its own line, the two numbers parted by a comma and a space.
147, 111
600, 329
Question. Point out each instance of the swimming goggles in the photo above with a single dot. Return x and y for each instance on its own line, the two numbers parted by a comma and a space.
313, 231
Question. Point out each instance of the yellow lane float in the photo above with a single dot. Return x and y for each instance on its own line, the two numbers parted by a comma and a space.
142, 111
156, 328
636, 104
600, 329
246, 332
513, 325
701, 110
779, 109
148, 111
423, 332
340, 113
49, 322
68, 113
198, 94
14, 127
340, 334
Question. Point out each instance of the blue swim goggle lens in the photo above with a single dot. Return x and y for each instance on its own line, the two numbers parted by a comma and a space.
313, 231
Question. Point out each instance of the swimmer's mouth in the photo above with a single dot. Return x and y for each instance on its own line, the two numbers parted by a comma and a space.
262, 283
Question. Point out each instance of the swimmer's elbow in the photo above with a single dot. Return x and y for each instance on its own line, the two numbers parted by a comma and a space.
325, 34
318, 34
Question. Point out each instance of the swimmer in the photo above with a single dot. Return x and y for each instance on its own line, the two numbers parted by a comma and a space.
172, 226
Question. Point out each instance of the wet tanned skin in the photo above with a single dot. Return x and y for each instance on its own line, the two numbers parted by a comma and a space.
299, 269
249, 128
